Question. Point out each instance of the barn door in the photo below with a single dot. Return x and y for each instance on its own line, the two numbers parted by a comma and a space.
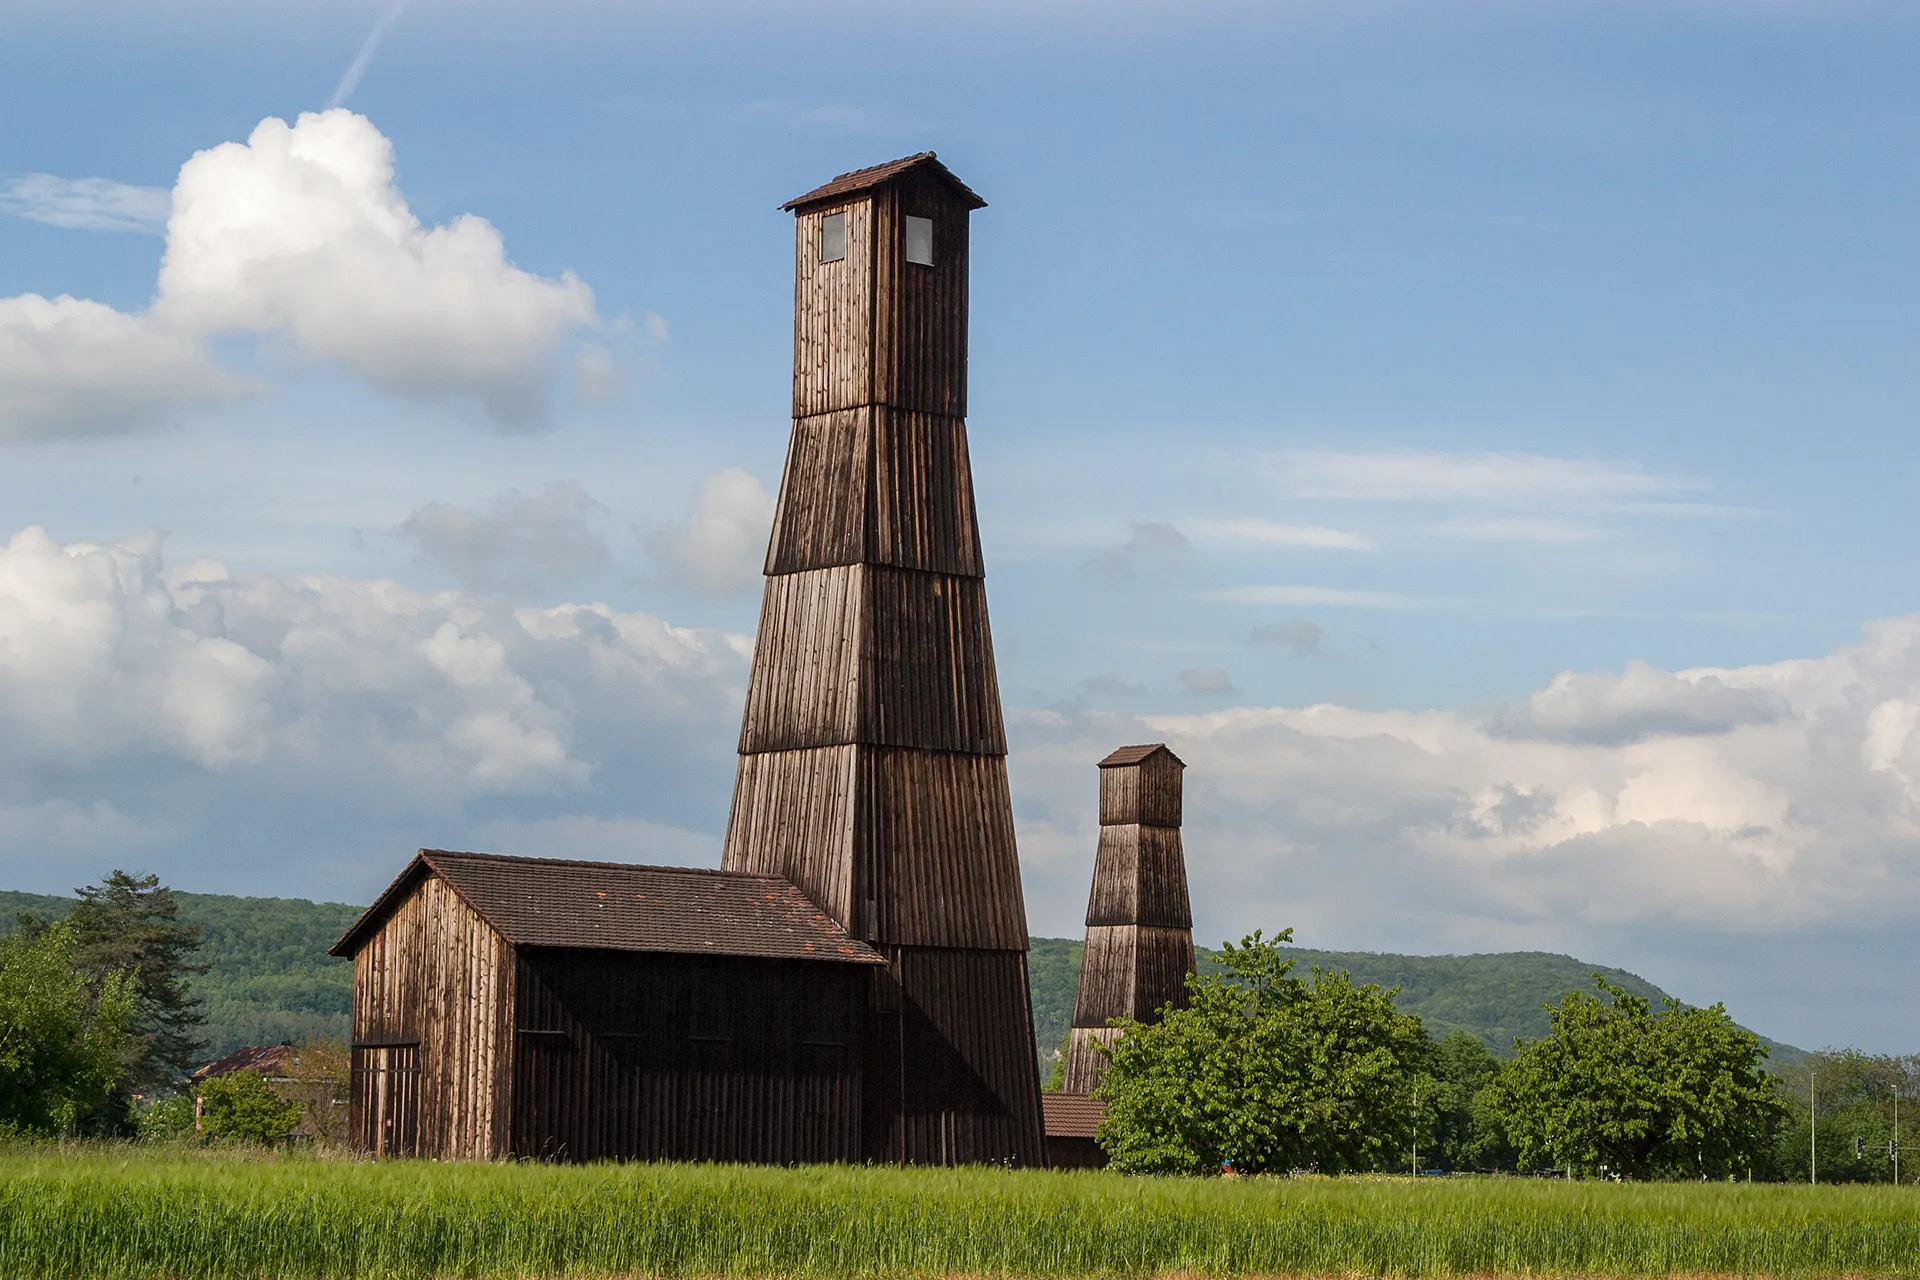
386, 1098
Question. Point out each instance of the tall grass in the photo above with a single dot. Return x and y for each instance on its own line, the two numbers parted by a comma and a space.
107, 1213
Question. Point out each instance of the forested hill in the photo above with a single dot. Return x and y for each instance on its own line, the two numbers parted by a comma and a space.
1499, 997
272, 980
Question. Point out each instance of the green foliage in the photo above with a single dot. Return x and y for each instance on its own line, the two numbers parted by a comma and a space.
241, 1107
168, 1120
1853, 1097
1265, 1072
63, 1049
131, 925
268, 976
168, 1214
1498, 998
1681, 1093
1467, 1134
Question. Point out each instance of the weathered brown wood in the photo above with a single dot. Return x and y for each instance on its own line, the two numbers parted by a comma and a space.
903, 847
874, 640
438, 978
624, 1056
1139, 947
873, 654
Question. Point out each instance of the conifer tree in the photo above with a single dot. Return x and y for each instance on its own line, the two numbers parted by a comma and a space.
131, 924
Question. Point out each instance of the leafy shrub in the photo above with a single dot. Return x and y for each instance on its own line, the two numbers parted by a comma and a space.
1266, 1073
241, 1107
168, 1120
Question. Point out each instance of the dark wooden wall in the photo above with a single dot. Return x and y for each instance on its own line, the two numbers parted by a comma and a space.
872, 770
432, 1031
636, 1056
1139, 947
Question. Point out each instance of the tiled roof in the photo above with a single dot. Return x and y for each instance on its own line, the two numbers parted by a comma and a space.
267, 1059
1134, 755
618, 906
1071, 1115
861, 179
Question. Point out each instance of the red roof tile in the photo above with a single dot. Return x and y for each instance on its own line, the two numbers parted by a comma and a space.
1072, 1115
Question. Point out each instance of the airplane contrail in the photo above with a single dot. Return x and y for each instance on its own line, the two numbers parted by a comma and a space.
351, 81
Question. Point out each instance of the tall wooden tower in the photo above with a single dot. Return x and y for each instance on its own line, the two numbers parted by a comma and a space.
872, 754
1139, 921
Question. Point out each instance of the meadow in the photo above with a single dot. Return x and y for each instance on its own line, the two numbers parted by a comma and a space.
134, 1212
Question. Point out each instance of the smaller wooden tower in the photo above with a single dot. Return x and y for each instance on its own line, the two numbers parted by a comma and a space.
1139, 920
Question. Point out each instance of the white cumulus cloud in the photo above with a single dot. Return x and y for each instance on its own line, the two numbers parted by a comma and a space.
300, 230
722, 547
202, 719
300, 233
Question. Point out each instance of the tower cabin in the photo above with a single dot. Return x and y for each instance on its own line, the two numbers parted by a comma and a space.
872, 751
534, 1007
1139, 947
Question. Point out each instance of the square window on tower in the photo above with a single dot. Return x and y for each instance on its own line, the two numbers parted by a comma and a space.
833, 237
920, 240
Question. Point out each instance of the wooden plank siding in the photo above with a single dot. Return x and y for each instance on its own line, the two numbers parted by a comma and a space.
873, 744
902, 847
873, 654
1139, 946
1147, 792
437, 976
667, 1057
832, 314
1140, 877
877, 485
950, 1080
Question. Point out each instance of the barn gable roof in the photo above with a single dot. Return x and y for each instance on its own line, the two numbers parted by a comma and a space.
1072, 1115
863, 179
619, 906
1139, 755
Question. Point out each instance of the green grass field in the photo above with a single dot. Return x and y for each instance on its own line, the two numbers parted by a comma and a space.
136, 1213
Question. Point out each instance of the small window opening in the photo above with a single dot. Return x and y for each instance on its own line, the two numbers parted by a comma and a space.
920, 240
833, 237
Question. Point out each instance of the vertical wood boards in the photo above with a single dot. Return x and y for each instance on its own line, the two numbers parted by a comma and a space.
902, 847
1146, 792
1139, 947
633, 1056
438, 978
877, 485
832, 314
950, 1080
1140, 877
872, 654
873, 770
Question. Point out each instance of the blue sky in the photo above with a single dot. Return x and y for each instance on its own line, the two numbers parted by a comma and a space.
1479, 436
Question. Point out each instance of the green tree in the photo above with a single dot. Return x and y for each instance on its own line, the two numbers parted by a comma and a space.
63, 1050
242, 1107
1853, 1097
1467, 1133
1680, 1093
1266, 1072
131, 924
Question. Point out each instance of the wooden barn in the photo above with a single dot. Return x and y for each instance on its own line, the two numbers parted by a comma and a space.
853, 984
535, 1007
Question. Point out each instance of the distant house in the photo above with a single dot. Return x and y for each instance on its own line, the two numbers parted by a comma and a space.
538, 1007
274, 1061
